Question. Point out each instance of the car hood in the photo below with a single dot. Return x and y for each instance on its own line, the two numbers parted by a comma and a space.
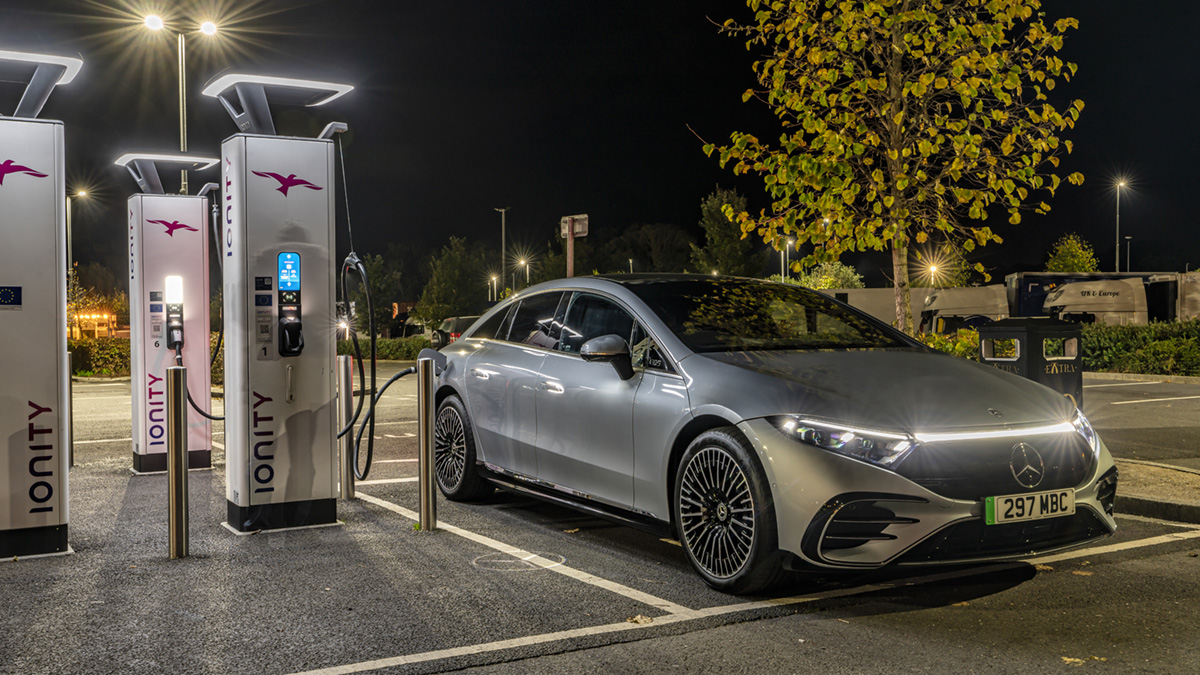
898, 389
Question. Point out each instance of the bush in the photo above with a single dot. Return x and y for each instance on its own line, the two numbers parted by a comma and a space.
389, 349
964, 343
100, 356
218, 364
1153, 349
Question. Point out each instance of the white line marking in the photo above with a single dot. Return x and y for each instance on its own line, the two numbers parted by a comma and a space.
385, 481
1113, 548
533, 559
689, 615
392, 461
380, 424
103, 440
1122, 384
84, 399
218, 446
1155, 400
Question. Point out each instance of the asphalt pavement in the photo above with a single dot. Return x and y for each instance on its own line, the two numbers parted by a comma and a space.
515, 585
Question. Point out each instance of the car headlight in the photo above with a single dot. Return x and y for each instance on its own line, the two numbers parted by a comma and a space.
1084, 428
877, 447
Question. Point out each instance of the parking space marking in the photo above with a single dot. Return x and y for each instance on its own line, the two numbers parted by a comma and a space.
688, 615
1155, 400
102, 440
217, 445
533, 559
720, 610
1119, 384
386, 481
391, 461
1114, 548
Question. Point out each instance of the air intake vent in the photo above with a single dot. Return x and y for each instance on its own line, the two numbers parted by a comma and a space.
1106, 490
858, 523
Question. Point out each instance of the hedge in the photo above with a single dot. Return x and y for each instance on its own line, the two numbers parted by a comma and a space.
1152, 349
110, 356
387, 349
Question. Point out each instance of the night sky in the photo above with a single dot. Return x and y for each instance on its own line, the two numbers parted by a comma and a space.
558, 108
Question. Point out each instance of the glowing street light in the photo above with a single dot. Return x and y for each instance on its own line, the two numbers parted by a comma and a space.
155, 22
1117, 265
70, 239
526, 266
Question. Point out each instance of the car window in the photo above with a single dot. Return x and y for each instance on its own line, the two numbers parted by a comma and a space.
591, 316
727, 314
488, 329
534, 321
645, 352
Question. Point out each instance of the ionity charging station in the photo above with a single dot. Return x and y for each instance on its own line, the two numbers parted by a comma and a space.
277, 222
168, 237
34, 398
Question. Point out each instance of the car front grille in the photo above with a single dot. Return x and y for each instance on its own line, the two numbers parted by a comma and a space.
973, 539
974, 469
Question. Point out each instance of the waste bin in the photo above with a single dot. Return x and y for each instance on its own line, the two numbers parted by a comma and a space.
1041, 349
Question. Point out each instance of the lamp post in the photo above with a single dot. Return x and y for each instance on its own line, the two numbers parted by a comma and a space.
503, 240
1120, 184
788, 258
1128, 244
70, 239
525, 264
154, 22
495, 294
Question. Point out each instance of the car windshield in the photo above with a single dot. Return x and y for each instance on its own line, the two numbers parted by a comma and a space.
726, 314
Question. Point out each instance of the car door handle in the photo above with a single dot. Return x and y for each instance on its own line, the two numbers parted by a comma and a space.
480, 374
552, 387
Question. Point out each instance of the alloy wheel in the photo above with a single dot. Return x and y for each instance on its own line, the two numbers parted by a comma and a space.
449, 448
716, 512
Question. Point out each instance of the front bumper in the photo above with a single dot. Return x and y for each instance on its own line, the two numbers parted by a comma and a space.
837, 512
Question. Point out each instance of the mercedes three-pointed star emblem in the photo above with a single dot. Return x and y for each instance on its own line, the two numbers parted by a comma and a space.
1027, 466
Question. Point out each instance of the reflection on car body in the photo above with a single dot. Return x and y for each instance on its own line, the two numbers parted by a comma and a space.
765, 426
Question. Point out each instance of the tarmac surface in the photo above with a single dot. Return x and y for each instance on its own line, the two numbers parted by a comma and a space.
513, 585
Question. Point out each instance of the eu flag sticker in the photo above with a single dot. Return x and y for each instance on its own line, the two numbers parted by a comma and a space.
10, 297
262, 301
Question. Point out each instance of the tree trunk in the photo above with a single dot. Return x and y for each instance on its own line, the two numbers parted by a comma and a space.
900, 274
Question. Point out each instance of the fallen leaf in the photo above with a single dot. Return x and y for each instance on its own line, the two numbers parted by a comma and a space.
1099, 658
1070, 661
1043, 568
1190, 555
640, 619
327, 588
843, 621
571, 531
1082, 573
964, 603
1085, 562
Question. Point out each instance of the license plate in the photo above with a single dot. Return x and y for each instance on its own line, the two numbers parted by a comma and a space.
1030, 506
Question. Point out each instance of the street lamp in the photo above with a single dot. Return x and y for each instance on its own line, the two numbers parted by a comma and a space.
503, 240
494, 296
788, 258
70, 239
1128, 244
155, 22
526, 266
1120, 184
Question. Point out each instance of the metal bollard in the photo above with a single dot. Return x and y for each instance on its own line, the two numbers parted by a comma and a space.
70, 411
177, 462
345, 393
428, 504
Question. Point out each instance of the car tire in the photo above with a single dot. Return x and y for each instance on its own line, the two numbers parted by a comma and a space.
725, 514
454, 453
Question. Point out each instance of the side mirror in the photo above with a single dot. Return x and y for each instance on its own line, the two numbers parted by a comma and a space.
611, 348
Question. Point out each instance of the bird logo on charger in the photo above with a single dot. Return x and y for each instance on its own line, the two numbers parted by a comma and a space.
8, 167
287, 182
172, 225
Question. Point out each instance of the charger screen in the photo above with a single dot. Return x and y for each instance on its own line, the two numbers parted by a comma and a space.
289, 271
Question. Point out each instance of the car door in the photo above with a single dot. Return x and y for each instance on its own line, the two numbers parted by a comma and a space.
585, 410
501, 379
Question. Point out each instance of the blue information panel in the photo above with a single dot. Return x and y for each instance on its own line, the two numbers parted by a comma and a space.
289, 271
